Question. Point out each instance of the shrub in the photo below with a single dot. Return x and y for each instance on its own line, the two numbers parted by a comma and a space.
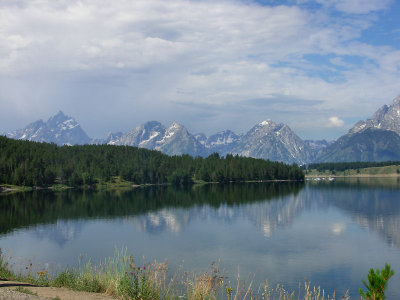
377, 283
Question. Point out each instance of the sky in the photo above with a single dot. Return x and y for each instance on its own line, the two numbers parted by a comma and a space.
318, 66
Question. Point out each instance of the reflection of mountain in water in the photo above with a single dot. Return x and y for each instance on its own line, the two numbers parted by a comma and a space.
61, 231
154, 210
267, 214
372, 208
151, 209
165, 219
373, 203
387, 227
273, 215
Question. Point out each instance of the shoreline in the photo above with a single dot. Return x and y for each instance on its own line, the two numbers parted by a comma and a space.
9, 189
352, 176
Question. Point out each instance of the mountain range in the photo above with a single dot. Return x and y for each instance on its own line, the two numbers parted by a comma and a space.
375, 139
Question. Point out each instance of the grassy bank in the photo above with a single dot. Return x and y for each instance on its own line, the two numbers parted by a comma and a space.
117, 183
9, 188
386, 171
122, 278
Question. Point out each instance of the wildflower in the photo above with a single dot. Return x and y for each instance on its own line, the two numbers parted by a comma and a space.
144, 267
131, 272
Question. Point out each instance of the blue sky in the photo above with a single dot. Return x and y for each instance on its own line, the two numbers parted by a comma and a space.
317, 65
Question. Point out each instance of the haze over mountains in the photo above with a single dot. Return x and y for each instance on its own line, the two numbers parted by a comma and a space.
375, 139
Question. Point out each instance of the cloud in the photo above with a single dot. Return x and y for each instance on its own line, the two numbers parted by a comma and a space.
134, 61
283, 100
335, 122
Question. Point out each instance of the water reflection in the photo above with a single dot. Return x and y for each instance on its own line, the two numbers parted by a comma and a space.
322, 231
40, 207
372, 203
60, 232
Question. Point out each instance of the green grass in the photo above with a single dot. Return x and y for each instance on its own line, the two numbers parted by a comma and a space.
374, 171
9, 188
5, 273
122, 278
116, 182
59, 187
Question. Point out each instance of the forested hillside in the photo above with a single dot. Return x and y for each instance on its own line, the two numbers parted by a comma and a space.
38, 164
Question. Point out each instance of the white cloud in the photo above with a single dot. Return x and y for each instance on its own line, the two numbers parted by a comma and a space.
335, 122
133, 59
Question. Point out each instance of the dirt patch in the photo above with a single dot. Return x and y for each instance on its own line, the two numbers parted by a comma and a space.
7, 292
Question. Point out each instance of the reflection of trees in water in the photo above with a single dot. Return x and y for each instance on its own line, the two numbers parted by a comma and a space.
41, 207
268, 206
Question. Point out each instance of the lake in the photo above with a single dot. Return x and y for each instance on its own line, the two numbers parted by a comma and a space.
326, 232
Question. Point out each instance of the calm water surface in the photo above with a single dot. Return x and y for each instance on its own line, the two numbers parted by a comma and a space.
330, 233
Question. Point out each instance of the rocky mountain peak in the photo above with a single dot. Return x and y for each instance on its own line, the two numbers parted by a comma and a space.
266, 122
385, 118
145, 135
59, 129
173, 129
175, 126
396, 101
375, 139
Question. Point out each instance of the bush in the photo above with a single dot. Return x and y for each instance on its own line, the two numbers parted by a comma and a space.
377, 283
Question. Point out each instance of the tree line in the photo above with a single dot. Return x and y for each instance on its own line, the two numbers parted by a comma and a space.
343, 166
39, 164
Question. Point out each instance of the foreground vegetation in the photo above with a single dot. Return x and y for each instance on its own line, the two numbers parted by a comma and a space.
25, 163
122, 278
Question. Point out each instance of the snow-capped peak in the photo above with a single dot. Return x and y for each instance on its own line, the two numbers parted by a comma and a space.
385, 118
175, 126
266, 122
59, 129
